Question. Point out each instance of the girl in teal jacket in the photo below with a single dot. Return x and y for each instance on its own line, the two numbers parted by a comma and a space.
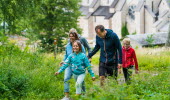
78, 62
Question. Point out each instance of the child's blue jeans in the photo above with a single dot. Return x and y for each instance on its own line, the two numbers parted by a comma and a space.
79, 80
67, 77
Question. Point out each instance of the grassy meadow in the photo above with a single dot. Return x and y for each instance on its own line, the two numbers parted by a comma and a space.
26, 76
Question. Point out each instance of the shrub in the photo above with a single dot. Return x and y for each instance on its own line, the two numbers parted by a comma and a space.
124, 30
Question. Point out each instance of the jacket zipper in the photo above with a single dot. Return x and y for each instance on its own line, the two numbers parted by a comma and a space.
105, 49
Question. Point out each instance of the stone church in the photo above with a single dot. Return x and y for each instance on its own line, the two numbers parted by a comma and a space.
140, 16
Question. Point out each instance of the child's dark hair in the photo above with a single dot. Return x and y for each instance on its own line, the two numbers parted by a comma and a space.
79, 44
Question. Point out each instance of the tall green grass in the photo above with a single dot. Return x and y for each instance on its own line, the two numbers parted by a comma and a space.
154, 59
25, 75
148, 59
28, 75
144, 86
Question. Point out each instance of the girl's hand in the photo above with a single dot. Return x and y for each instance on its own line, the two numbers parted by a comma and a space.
136, 71
90, 60
61, 63
56, 73
93, 78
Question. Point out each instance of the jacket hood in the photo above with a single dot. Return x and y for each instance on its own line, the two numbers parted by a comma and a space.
108, 31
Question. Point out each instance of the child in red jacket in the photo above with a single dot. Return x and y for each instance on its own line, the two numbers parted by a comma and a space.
128, 60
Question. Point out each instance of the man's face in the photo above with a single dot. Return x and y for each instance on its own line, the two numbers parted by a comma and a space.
101, 34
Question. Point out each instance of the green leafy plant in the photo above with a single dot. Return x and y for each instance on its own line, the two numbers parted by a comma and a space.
150, 39
124, 30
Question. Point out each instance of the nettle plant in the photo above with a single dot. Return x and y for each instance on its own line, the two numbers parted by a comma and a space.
150, 39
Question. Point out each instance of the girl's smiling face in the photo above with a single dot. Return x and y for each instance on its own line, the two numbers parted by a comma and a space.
76, 47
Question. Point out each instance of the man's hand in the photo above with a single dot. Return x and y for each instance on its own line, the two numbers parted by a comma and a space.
56, 73
93, 78
119, 70
119, 66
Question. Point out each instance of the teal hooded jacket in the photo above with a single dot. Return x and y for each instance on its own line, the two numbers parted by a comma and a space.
78, 63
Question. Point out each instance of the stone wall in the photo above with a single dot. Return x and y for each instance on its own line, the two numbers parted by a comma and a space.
163, 6
149, 20
86, 2
91, 27
117, 23
83, 23
106, 2
139, 20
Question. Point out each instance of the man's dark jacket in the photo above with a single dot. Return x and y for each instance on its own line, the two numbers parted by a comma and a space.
110, 48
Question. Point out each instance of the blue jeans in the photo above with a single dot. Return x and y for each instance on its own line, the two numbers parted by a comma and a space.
67, 77
79, 81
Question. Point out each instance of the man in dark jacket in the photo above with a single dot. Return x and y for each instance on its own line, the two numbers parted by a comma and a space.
110, 48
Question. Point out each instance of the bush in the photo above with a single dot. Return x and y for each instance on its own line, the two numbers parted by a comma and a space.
124, 31
26, 75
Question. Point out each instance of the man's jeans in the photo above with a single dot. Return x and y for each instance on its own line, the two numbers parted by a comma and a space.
79, 80
67, 77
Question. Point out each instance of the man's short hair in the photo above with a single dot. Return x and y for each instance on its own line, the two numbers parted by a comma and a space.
100, 27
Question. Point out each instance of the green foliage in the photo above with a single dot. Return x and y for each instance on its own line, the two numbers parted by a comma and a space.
57, 18
12, 11
150, 39
29, 76
3, 38
134, 33
124, 31
159, 62
145, 86
43, 19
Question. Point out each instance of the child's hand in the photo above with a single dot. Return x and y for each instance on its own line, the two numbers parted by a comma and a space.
61, 63
56, 73
90, 60
119, 70
93, 78
136, 71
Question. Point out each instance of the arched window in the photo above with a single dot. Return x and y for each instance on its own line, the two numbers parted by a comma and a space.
131, 12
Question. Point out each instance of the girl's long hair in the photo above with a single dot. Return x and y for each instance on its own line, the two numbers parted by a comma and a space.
75, 35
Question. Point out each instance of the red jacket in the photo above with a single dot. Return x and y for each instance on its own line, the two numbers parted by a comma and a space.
129, 58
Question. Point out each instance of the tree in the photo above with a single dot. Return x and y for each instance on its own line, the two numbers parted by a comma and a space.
53, 19
43, 19
11, 12
124, 30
